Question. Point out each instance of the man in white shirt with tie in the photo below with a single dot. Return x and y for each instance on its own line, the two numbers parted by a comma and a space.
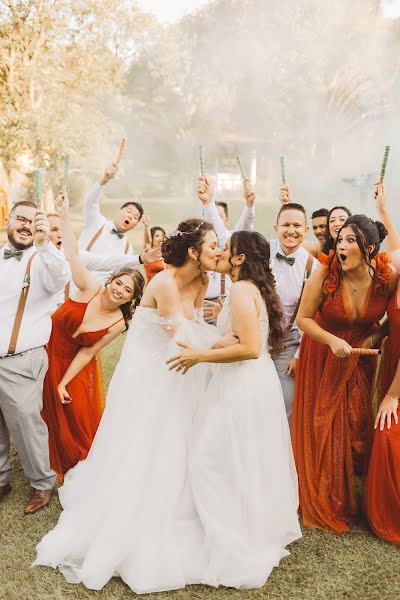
32, 273
107, 238
292, 265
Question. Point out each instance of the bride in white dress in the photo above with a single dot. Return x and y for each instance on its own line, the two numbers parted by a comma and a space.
242, 469
128, 508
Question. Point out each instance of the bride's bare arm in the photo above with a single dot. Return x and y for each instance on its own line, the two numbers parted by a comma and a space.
245, 310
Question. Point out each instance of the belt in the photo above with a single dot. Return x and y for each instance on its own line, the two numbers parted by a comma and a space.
20, 353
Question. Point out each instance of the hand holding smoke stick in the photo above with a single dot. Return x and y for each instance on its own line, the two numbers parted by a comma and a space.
366, 351
384, 163
204, 189
248, 191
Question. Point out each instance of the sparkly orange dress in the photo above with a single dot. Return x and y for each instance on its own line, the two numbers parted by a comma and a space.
72, 427
331, 424
382, 484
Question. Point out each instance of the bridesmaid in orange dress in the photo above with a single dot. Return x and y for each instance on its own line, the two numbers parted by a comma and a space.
332, 415
81, 327
382, 484
154, 238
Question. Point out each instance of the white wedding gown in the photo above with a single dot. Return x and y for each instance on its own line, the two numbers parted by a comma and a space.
181, 485
242, 469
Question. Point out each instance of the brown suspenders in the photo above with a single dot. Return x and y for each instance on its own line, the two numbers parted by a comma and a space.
96, 237
222, 284
21, 307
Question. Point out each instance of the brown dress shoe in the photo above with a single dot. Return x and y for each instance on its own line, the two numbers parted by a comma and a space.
4, 490
38, 499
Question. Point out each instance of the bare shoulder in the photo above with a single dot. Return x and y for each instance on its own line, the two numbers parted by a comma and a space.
241, 289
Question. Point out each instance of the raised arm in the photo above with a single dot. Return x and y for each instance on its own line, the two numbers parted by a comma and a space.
53, 269
81, 277
246, 219
392, 239
311, 300
91, 211
205, 192
146, 231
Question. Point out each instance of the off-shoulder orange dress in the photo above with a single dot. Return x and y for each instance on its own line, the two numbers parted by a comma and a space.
72, 427
382, 484
331, 424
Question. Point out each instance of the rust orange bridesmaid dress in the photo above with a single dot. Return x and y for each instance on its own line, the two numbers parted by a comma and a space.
72, 427
332, 414
382, 484
154, 268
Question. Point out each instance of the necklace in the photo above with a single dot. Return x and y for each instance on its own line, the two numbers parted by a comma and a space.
353, 286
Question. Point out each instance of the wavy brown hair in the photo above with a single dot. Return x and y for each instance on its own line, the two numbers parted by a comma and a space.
256, 268
129, 307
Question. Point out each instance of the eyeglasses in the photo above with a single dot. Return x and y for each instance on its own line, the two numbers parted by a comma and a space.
23, 220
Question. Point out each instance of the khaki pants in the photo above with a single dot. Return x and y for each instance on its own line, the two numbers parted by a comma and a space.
21, 399
291, 344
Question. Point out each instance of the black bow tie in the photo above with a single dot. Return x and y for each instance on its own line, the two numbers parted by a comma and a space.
118, 233
13, 254
289, 259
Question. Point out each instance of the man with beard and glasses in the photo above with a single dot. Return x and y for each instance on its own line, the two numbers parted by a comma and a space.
32, 273
107, 238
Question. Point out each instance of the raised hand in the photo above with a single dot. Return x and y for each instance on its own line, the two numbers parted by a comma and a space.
150, 255
62, 201
40, 229
212, 309
248, 193
380, 197
284, 195
109, 173
204, 190
145, 220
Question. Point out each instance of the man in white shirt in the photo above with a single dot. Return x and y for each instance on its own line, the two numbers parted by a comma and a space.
105, 237
216, 213
292, 265
32, 272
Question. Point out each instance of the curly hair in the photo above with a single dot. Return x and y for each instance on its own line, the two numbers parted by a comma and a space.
367, 232
190, 234
256, 268
138, 286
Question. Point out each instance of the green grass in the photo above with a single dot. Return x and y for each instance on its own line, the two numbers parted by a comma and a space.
321, 566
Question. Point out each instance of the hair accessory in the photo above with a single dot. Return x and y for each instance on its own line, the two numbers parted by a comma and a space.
177, 232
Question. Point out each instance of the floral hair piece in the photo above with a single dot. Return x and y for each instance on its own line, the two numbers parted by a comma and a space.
178, 232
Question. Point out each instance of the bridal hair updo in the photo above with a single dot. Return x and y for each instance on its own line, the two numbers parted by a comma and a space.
129, 307
257, 269
189, 234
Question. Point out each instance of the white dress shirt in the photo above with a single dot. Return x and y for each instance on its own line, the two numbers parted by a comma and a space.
244, 223
107, 244
290, 277
48, 276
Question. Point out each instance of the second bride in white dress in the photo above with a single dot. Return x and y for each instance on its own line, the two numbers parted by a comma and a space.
241, 466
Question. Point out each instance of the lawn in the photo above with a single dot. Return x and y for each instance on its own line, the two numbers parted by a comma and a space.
321, 566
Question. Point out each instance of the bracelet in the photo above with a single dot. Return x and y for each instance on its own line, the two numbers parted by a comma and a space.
392, 397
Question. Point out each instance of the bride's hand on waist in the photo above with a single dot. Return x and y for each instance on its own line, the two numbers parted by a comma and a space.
186, 359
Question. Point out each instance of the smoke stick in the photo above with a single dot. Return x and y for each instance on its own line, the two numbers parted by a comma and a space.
283, 170
38, 188
384, 163
66, 171
366, 351
121, 150
201, 158
239, 162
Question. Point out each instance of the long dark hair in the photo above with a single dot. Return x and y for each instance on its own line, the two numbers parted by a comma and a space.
256, 268
129, 307
154, 230
367, 232
330, 242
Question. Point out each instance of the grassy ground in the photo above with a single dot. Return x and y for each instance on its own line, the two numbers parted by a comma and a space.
321, 566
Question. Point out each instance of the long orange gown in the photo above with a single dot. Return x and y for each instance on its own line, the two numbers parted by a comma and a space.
332, 414
382, 484
72, 427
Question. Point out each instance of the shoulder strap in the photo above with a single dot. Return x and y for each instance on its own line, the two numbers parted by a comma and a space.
126, 247
222, 284
94, 238
21, 307
307, 273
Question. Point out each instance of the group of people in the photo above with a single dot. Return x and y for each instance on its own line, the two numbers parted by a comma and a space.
241, 398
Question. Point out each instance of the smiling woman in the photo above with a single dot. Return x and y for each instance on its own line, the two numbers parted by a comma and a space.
332, 416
